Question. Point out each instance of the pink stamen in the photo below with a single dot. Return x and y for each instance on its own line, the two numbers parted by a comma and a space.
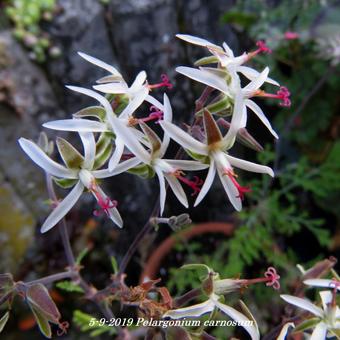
155, 114
63, 327
104, 204
262, 47
283, 94
194, 184
165, 83
273, 278
241, 190
289, 35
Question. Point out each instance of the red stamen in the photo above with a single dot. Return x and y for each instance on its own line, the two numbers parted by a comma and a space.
194, 184
155, 114
104, 204
273, 278
289, 35
241, 190
283, 94
63, 327
165, 83
262, 48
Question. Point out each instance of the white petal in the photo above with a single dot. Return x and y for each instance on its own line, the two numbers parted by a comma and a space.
320, 332
304, 304
100, 63
79, 125
138, 82
183, 138
117, 154
177, 189
326, 283
113, 212
155, 102
240, 318
113, 88
228, 50
102, 100
251, 74
196, 40
168, 118
131, 141
284, 330
258, 111
204, 77
326, 298
46, 163
121, 167
162, 193
135, 103
186, 165
207, 184
249, 166
89, 145
191, 311
63, 207
256, 83
230, 190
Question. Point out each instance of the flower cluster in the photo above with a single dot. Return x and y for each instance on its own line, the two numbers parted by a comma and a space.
116, 141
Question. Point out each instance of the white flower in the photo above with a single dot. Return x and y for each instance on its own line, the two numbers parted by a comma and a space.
120, 126
115, 84
325, 283
225, 56
80, 169
215, 149
211, 304
327, 317
166, 169
210, 78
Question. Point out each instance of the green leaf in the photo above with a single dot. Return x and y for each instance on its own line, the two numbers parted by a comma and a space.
3, 321
221, 107
114, 264
65, 183
103, 149
71, 157
206, 61
310, 323
143, 170
6, 284
42, 322
91, 111
69, 286
81, 255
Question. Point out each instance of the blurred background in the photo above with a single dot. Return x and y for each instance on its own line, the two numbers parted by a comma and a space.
293, 219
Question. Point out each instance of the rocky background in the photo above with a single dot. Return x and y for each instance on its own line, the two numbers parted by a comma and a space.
132, 35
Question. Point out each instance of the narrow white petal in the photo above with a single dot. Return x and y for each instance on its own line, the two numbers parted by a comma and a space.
186, 165
168, 118
155, 102
113, 212
326, 298
63, 207
196, 40
135, 103
207, 184
228, 50
326, 283
131, 141
79, 125
183, 138
249, 166
100, 63
303, 303
191, 311
204, 77
138, 82
121, 167
258, 111
230, 190
113, 88
239, 317
284, 330
320, 332
46, 163
89, 145
177, 189
117, 154
251, 74
162, 189
257, 82
102, 100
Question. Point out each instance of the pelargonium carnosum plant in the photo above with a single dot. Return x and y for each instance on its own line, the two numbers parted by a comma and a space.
116, 140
